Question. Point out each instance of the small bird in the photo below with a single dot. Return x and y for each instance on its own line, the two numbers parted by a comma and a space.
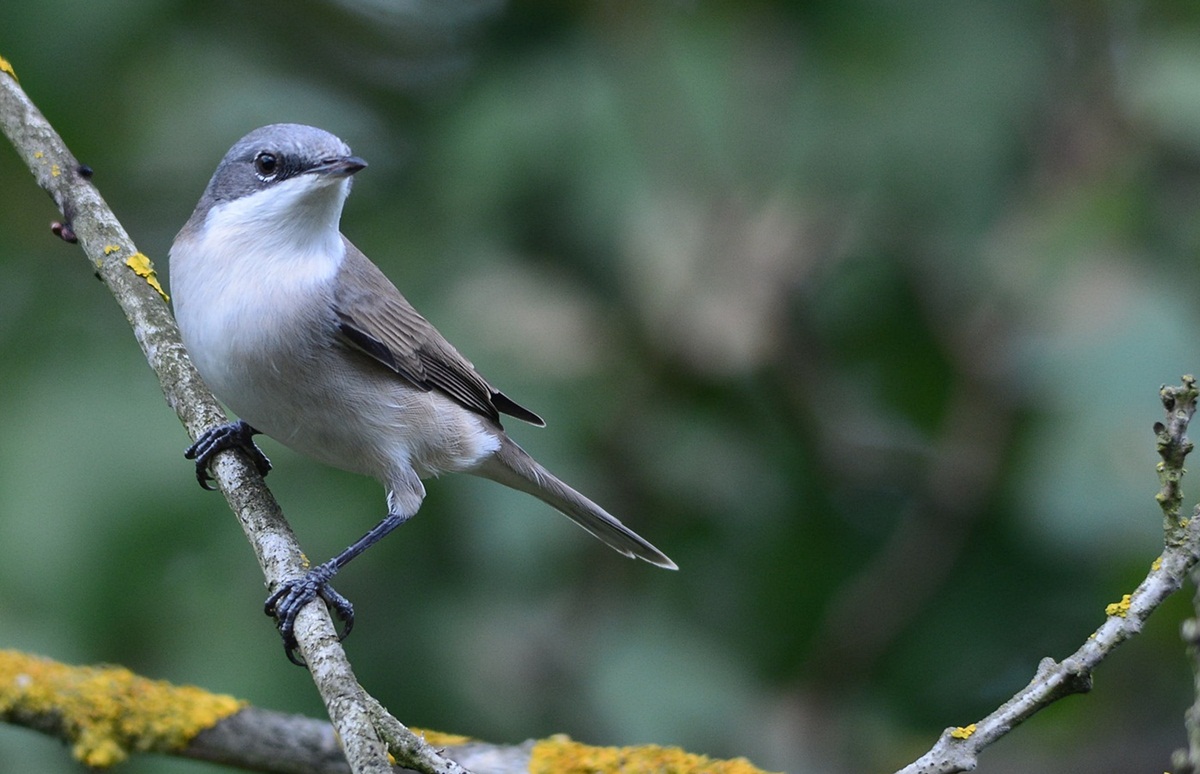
307, 341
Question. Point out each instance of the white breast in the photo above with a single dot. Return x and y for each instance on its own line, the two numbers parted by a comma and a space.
252, 287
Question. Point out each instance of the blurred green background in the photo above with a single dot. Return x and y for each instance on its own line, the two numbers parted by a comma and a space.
858, 310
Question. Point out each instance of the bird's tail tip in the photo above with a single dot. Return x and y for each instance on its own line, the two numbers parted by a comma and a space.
649, 554
663, 561
512, 467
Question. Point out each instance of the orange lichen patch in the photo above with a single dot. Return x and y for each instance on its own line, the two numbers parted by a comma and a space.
108, 712
440, 738
560, 755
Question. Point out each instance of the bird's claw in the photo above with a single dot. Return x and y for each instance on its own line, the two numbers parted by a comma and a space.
290, 598
231, 435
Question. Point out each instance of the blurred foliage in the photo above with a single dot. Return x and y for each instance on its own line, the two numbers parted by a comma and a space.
857, 310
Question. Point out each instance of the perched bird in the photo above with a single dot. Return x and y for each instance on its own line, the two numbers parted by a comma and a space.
307, 341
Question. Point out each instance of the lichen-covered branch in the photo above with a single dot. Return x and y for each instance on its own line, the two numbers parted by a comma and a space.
130, 277
958, 748
107, 713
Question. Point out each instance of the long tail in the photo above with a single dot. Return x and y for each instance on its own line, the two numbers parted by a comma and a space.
511, 466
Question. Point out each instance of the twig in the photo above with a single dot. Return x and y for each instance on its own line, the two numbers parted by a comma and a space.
130, 277
1174, 446
958, 748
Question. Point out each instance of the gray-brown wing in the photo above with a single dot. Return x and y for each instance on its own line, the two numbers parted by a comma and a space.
374, 317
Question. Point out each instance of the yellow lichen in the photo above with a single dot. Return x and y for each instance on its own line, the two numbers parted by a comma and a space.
560, 755
5, 67
55, 171
963, 732
142, 267
110, 249
1119, 609
108, 712
1156, 565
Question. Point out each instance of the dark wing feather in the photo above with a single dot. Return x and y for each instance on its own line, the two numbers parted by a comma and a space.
385, 326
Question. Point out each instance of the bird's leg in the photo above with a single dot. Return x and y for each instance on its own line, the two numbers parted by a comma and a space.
291, 596
231, 435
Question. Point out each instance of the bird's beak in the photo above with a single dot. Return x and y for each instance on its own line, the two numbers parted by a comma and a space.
340, 166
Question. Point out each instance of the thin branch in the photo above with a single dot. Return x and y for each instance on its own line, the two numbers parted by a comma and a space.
130, 277
1184, 761
958, 748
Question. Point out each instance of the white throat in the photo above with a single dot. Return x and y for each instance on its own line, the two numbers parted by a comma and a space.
295, 220
255, 263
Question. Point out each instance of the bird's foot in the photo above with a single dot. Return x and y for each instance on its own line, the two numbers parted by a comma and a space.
231, 435
291, 596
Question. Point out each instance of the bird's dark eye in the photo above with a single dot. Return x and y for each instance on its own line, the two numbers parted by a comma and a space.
266, 164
